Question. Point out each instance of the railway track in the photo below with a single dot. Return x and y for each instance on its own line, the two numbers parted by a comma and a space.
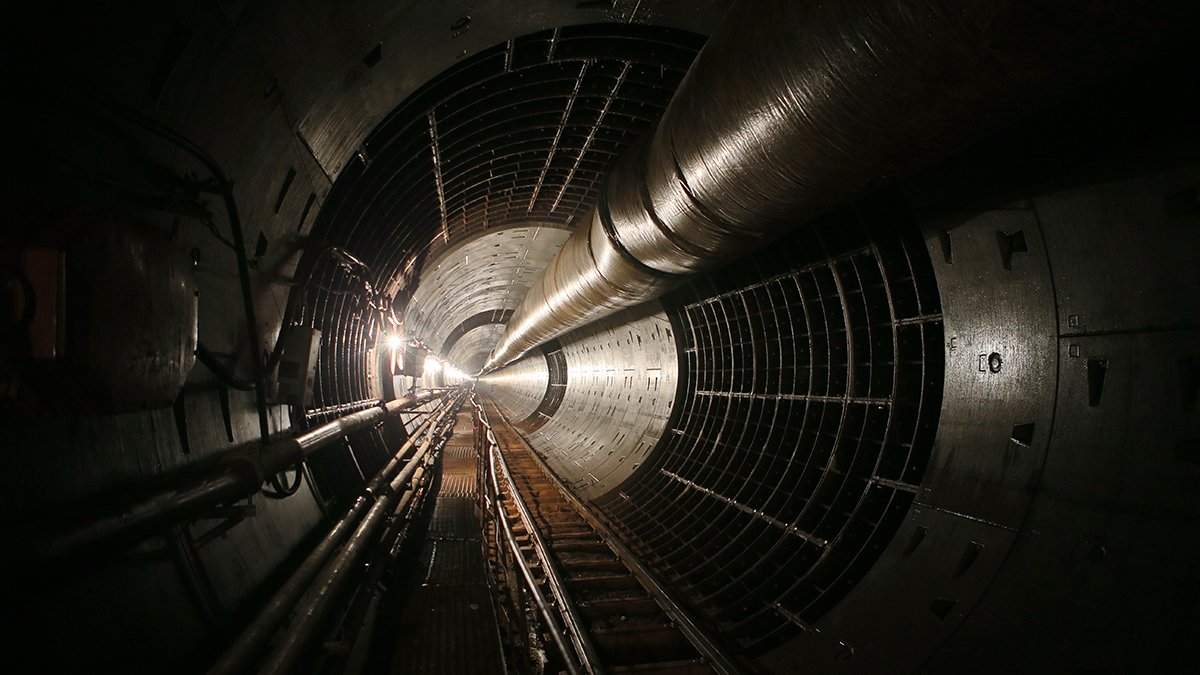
610, 614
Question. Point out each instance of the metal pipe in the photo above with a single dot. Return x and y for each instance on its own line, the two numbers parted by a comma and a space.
328, 586
539, 598
236, 475
383, 555
589, 658
255, 636
794, 107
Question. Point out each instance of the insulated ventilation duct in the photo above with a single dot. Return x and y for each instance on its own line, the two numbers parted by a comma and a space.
793, 107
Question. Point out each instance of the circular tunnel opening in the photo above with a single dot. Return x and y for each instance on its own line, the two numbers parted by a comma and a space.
768, 448
510, 144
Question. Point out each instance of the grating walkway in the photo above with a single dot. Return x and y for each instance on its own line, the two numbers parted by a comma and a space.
448, 624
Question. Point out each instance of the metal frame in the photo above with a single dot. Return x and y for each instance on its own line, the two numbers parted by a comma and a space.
812, 386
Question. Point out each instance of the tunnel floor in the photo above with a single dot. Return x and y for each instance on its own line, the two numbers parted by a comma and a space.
443, 615
447, 623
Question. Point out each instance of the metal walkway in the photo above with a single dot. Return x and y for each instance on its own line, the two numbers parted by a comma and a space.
601, 611
448, 623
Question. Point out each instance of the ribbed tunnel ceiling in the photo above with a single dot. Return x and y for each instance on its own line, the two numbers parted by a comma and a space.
520, 133
788, 497
948, 428
478, 284
470, 353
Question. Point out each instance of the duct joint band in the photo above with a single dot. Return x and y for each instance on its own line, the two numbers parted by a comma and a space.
610, 232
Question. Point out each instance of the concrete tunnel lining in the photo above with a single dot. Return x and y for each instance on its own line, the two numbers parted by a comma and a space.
1056, 523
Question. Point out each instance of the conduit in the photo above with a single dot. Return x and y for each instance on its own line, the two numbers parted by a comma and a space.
325, 591
794, 107
254, 637
236, 475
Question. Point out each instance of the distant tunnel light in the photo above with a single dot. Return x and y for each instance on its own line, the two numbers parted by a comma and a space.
432, 365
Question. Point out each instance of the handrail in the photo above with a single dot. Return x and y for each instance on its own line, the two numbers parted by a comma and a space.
236, 475
582, 640
255, 636
708, 648
556, 631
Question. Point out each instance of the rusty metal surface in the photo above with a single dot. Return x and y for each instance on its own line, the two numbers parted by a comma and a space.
617, 615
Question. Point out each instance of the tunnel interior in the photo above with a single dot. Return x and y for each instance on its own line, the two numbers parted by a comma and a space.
948, 426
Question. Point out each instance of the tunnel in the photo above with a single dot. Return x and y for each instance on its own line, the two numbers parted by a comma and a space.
938, 415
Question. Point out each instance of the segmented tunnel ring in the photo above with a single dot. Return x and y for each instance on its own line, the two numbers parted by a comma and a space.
811, 385
445, 166
815, 365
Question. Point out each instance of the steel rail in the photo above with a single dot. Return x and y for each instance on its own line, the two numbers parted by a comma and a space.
254, 637
328, 586
698, 636
579, 635
236, 475
570, 656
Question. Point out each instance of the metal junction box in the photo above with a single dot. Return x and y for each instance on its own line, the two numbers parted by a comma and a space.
298, 366
414, 362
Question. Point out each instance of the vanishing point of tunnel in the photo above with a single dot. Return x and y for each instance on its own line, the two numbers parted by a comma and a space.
854, 336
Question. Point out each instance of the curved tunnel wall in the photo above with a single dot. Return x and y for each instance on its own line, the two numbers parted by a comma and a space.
282, 96
1072, 548
1033, 301
596, 401
523, 387
443, 168
812, 390
477, 284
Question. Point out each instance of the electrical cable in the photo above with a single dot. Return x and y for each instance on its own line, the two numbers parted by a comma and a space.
278, 491
222, 186
224, 372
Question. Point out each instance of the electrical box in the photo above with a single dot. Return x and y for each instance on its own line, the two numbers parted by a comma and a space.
414, 362
298, 366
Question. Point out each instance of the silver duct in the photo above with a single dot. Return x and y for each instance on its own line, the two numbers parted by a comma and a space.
794, 107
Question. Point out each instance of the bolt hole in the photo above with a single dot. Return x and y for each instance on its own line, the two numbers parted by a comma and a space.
374, 56
917, 538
